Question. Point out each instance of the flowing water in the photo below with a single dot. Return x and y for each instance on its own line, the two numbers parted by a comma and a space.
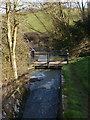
42, 102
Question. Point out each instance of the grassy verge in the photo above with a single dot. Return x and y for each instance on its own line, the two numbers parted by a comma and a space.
76, 90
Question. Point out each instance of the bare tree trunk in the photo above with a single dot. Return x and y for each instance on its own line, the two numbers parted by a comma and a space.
9, 35
14, 65
11, 41
83, 11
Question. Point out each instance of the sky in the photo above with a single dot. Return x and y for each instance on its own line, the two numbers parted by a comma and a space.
48, 0
55, 0
26, 1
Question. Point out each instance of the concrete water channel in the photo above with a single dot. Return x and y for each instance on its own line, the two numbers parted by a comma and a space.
42, 100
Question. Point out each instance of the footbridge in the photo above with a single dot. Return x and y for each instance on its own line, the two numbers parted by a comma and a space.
50, 60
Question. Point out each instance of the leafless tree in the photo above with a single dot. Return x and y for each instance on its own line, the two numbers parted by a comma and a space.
81, 6
11, 8
12, 27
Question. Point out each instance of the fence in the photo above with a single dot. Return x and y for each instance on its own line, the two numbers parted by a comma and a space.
51, 56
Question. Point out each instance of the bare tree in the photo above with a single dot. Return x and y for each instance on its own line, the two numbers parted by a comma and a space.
12, 33
13, 8
81, 7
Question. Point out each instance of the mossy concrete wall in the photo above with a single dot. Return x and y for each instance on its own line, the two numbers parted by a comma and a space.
12, 101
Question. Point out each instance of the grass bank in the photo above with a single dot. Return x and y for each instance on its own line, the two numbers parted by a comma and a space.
76, 88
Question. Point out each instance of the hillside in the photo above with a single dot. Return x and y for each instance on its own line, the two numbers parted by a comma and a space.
36, 22
82, 49
39, 22
32, 20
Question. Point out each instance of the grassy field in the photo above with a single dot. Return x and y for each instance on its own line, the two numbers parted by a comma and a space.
76, 90
29, 20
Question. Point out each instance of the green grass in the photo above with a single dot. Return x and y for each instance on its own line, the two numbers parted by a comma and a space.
31, 19
76, 77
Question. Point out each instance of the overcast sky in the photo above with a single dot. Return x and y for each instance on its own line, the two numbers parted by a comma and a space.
55, 0
48, 0
26, 1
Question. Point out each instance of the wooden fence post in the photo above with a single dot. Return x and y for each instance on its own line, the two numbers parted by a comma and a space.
47, 58
67, 56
